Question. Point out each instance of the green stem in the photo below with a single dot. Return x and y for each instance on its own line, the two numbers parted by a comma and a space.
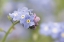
4, 39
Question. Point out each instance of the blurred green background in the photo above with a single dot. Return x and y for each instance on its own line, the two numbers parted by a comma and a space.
56, 13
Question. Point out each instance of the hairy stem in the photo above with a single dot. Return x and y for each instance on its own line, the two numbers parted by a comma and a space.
4, 39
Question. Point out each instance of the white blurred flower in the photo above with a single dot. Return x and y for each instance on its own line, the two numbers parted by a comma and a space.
55, 29
51, 29
44, 29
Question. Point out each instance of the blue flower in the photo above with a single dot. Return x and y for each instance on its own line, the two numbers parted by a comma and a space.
15, 16
45, 30
61, 36
27, 21
55, 29
25, 10
62, 26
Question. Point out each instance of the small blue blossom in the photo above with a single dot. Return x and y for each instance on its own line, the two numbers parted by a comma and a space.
61, 33
61, 36
45, 30
62, 25
27, 21
55, 29
25, 16
15, 16
23, 10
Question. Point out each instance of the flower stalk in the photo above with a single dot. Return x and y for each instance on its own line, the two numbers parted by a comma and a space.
4, 39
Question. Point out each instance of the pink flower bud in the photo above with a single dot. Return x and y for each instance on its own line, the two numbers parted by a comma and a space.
36, 19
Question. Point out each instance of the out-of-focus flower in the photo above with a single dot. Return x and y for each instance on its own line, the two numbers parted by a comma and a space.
61, 33
51, 29
15, 16
28, 21
45, 29
23, 10
61, 36
62, 25
55, 29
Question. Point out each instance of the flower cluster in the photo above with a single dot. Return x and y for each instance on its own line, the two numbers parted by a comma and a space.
55, 30
26, 17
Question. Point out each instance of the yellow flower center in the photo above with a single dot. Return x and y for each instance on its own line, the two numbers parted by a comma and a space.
28, 21
62, 35
23, 16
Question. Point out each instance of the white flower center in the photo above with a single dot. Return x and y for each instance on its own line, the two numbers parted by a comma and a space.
15, 14
22, 16
55, 30
62, 35
46, 28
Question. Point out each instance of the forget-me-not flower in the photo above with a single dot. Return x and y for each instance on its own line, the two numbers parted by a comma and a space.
23, 13
61, 33
27, 21
45, 30
23, 10
15, 16
25, 16
55, 29
61, 36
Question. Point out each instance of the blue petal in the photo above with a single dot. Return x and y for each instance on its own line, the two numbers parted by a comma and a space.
24, 9
14, 19
22, 21
11, 15
26, 26
54, 36
32, 23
